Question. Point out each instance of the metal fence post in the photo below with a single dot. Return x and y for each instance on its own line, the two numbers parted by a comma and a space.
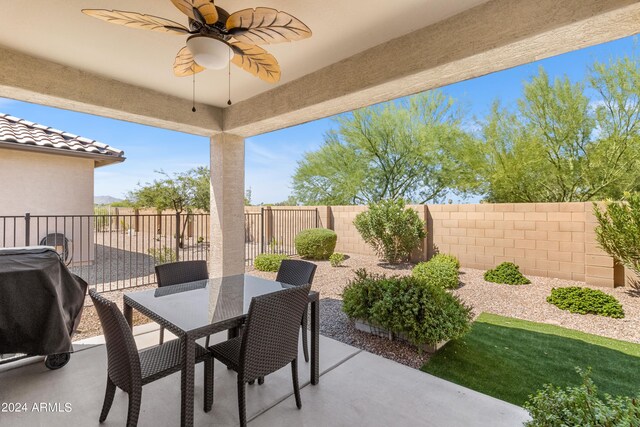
261, 230
27, 229
177, 236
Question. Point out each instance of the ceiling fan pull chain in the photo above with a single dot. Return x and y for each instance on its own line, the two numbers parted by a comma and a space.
229, 101
193, 96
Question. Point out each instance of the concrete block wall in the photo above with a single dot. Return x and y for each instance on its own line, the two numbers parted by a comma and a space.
545, 239
349, 240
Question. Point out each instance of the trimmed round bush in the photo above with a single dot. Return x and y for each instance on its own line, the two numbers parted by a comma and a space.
316, 243
586, 301
269, 262
425, 313
441, 270
447, 258
506, 273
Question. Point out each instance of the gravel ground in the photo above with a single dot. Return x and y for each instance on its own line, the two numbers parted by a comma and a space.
523, 302
90, 323
526, 302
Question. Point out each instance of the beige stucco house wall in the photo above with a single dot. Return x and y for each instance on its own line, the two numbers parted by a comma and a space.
48, 174
45, 184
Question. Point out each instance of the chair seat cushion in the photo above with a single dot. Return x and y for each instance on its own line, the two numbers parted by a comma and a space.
228, 352
164, 359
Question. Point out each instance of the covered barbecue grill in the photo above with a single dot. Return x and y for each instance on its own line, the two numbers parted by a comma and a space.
40, 304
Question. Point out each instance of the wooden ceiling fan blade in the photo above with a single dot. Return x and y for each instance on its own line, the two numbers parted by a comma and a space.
137, 20
206, 10
264, 25
185, 6
256, 61
184, 64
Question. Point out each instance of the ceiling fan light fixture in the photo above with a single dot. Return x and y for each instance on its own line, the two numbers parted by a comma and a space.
209, 52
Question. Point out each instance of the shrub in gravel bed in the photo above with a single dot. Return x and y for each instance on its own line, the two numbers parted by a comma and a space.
162, 255
424, 313
447, 258
580, 406
336, 259
586, 301
391, 229
316, 243
506, 273
269, 262
441, 270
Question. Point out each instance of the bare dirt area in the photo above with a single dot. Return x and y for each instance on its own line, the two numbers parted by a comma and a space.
526, 302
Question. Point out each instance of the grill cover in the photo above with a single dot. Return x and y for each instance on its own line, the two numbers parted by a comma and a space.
40, 302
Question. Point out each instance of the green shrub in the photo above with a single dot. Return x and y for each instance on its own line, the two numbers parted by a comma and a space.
447, 258
425, 313
268, 262
586, 301
336, 259
618, 230
506, 273
360, 294
581, 406
441, 270
392, 230
162, 255
316, 243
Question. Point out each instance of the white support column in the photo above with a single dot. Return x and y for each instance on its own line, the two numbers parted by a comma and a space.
227, 205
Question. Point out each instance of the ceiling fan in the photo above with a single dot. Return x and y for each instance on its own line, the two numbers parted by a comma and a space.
216, 37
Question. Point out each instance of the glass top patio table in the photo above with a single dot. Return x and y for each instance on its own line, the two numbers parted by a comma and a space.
195, 305
197, 309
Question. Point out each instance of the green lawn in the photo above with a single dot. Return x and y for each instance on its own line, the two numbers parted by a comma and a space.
510, 359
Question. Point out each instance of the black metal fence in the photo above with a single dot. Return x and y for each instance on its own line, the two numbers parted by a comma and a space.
113, 251
116, 251
273, 230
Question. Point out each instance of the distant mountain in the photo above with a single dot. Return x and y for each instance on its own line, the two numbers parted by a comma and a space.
105, 200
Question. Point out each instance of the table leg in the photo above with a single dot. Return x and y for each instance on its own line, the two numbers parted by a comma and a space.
188, 372
128, 314
315, 341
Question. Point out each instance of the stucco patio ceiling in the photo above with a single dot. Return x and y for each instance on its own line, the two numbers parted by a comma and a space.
141, 58
361, 52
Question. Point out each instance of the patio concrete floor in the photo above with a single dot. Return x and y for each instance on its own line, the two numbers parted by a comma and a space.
356, 388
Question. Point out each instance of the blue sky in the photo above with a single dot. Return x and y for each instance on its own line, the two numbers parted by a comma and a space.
271, 158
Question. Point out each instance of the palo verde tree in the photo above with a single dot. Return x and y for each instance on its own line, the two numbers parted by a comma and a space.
180, 192
566, 141
397, 150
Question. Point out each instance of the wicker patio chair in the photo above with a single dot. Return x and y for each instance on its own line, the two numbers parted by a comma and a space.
129, 369
269, 341
297, 272
174, 273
